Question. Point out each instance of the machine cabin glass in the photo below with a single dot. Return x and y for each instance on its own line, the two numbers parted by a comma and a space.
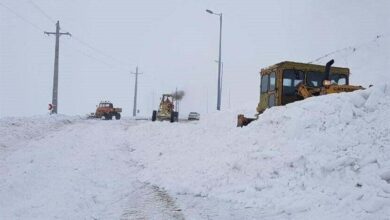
291, 79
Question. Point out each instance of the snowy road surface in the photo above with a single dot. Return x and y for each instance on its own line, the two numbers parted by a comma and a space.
79, 166
322, 158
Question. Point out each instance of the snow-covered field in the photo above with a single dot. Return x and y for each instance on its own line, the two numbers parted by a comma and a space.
322, 158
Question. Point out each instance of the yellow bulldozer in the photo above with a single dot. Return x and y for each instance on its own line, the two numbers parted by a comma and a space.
287, 82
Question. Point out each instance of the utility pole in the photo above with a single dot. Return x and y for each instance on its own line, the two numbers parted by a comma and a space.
152, 106
219, 64
176, 102
207, 100
135, 92
55, 78
229, 98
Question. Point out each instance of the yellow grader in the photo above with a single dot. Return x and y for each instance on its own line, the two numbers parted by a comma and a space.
287, 82
166, 111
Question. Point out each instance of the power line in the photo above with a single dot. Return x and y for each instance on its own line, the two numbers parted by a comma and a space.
36, 6
93, 58
21, 17
42, 12
349, 48
100, 51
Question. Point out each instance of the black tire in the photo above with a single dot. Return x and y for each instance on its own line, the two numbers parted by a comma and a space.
172, 117
117, 116
154, 116
108, 116
177, 116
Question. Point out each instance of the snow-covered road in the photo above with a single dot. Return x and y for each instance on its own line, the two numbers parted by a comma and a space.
322, 158
79, 169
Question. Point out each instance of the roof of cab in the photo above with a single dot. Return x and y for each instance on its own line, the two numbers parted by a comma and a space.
303, 67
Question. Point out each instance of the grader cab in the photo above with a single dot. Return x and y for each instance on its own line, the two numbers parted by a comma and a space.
287, 82
166, 110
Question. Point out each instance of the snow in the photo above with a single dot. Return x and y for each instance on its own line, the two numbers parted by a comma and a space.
322, 158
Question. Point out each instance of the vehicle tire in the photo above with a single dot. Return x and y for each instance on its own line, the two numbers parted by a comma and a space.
107, 116
177, 116
172, 117
154, 116
117, 116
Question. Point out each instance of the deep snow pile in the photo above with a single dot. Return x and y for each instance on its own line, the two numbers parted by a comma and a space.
325, 157
61, 167
322, 158
16, 129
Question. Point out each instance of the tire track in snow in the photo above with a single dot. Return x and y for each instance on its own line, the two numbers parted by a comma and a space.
151, 202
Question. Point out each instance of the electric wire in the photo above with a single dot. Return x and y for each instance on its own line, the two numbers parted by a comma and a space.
21, 17
42, 11
349, 48
99, 51
79, 40
98, 60
76, 38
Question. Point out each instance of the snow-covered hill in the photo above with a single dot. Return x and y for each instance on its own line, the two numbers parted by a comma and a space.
322, 158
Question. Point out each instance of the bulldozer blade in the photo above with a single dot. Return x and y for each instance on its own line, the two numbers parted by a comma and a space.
243, 121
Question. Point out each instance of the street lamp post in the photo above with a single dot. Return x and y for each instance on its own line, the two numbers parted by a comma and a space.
219, 59
221, 84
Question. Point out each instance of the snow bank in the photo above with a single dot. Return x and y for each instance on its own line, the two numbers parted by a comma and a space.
19, 129
61, 167
324, 157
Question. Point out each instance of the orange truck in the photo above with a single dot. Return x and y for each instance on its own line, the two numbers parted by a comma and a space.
105, 110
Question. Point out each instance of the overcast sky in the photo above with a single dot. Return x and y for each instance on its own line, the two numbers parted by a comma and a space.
175, 44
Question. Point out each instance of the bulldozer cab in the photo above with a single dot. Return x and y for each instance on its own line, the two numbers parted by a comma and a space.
279, 83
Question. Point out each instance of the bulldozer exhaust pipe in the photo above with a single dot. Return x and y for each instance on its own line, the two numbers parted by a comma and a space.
327, 69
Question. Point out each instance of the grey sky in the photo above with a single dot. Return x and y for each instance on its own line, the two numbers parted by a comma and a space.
175, 43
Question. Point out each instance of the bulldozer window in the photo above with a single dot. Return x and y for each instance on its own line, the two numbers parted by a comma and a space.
315, 79
272, 81
264, 83
339, 79
342, 81
291, 78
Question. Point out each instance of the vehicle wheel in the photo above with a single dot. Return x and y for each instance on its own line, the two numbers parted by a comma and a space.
172, 117
154, 116
177, 116
107, 116
117, 116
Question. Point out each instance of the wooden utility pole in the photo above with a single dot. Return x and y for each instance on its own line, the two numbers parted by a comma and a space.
135, 92
55, 78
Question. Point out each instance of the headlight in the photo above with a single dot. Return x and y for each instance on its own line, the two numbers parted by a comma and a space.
326, 83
